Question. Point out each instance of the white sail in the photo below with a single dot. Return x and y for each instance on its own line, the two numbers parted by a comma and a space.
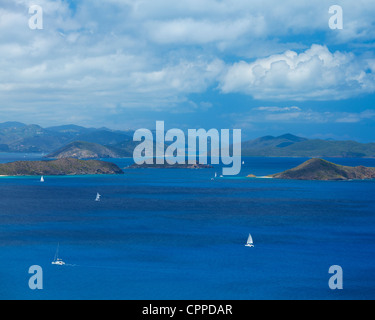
215, 174
250, 240
42, 179
97, 197
57, 260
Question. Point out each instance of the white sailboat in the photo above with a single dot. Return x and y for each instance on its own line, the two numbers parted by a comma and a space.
57, 261
243, 162
250, 242
42, 179
97, 197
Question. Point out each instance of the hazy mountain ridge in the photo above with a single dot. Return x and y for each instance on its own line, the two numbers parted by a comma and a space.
19, 137
292, 146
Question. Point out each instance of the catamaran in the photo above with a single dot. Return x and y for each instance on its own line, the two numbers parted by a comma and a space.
57, 261
42, 179
97, 197
250, 242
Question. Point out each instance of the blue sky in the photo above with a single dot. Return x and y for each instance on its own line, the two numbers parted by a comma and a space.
266, 67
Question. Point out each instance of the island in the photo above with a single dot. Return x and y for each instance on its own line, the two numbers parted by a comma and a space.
59, 167
169, 166
319, 169
88, 150
289, 145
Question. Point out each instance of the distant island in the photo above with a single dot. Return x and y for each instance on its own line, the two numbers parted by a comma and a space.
319, 169
169, 166
88, 150
95, 143
58, 168
289, 145
16, 137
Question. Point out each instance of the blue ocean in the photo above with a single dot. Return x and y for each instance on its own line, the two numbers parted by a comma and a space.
176, 234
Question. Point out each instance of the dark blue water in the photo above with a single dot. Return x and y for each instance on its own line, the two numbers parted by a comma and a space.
175, 234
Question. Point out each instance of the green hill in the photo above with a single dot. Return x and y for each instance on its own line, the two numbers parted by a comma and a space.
19, 137
58, 167
318, 169
88, 150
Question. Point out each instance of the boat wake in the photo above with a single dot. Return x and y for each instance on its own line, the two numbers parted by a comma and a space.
92, 267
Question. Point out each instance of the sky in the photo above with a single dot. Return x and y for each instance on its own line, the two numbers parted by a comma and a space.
267, 67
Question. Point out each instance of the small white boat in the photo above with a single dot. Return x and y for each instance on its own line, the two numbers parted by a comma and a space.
42, 179
57, 261
98, 196
250, 242
243, 162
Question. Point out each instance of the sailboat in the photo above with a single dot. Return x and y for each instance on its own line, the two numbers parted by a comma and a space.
97, 197
56, 260
250, 242
243, 162
42, 179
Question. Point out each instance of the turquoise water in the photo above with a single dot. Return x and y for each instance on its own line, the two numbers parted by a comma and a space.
175, 234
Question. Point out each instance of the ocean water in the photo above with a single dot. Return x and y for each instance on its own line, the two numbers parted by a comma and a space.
175, 234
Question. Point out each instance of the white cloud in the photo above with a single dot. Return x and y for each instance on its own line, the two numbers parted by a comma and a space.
297, 115
150, 54
277, 109
316, 74
190, 31
356, 117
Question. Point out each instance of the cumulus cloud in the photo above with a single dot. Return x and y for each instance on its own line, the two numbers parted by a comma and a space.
81, 63
252, 19
103, 57
315, 74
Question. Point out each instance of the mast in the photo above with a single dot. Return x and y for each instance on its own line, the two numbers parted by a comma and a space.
57, 252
